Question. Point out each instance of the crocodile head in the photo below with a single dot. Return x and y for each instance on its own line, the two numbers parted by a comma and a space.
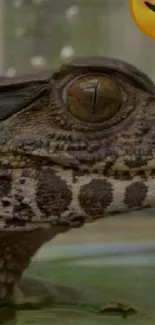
76, 144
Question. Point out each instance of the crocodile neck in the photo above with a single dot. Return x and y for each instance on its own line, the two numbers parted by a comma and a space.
16, 250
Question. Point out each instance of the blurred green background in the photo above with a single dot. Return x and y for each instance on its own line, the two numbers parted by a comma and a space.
39, 34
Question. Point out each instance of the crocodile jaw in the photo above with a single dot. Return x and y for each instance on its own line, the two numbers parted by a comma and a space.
43, 197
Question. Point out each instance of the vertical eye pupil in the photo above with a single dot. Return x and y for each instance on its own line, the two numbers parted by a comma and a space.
93, 98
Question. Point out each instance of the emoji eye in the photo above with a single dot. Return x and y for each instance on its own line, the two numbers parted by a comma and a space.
93, 98
150, 5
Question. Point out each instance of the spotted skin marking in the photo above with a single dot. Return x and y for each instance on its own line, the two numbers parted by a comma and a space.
95, 197
5, 185
23, 211
53, 195
135, 194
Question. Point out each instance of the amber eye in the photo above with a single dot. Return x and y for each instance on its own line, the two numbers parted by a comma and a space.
93, 98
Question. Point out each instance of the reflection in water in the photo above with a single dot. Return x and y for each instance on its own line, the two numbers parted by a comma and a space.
98, 295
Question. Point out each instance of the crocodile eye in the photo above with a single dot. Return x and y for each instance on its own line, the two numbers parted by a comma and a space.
93, 98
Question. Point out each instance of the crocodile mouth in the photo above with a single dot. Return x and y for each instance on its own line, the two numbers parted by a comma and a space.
118, 171
14, 223
19, 225
85, 192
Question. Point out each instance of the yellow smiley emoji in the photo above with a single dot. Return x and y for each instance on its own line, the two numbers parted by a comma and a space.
143, 13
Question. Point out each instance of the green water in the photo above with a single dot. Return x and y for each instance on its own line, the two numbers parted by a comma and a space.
81, 293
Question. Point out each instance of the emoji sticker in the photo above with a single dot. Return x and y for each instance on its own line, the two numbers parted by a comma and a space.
143, 13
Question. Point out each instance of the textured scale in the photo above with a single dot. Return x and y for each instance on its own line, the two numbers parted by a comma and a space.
76, 144
32, 196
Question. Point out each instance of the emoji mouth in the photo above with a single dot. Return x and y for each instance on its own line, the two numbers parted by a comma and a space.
150, 5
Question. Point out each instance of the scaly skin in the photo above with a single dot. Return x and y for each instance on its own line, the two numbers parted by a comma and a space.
76, 144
